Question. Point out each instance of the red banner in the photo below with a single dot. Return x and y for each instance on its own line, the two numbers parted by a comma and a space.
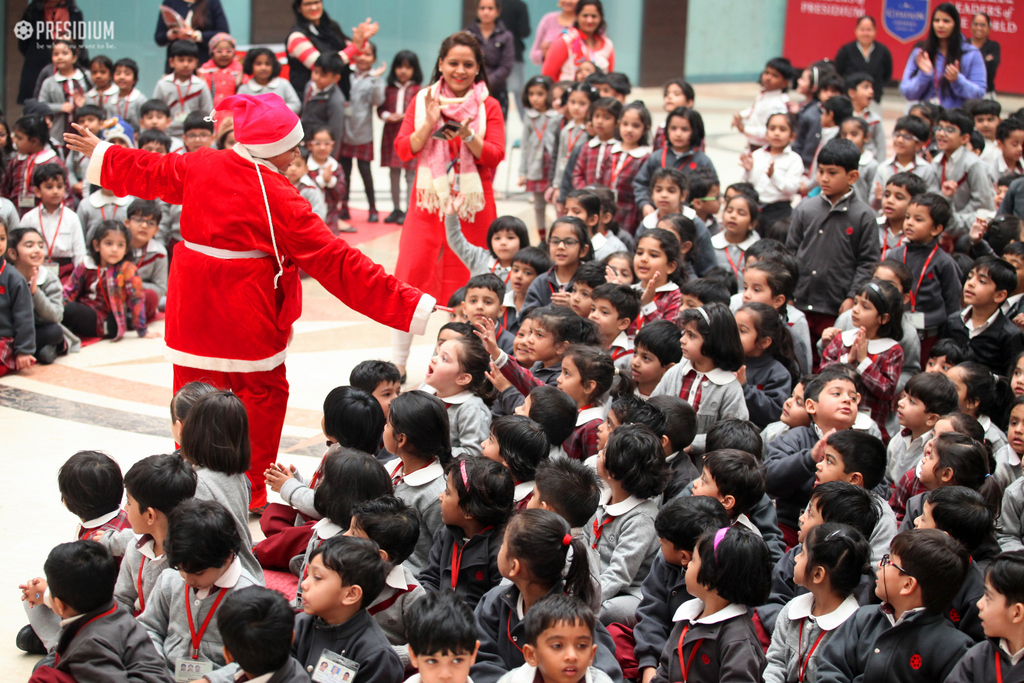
816, 29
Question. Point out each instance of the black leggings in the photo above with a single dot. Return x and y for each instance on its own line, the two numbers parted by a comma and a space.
364, 173
49, 334
81, 320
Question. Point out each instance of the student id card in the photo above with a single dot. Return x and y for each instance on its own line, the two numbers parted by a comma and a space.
917, 320
27, 201
187, 669
333, 668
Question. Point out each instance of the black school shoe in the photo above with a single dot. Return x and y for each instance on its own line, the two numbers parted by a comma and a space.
374, 217
28, 641
401, 219
393, 216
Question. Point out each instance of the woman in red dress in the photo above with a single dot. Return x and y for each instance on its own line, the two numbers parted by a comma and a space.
456, 171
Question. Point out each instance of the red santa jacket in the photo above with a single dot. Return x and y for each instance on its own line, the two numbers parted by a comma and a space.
223, 310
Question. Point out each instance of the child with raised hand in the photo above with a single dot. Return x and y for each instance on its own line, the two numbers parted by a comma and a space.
729, 573
656, 264
829, 565
256, 625
203, 545
100, 641
916, 581
475, 505
984, 396
679, 524
569, 246
533, 557
634, 472
346, 575
712, 353
655, 350
963, 514
519, 444
1001, 609
458, 376
395, 528
484, 296
873, 348
215, 441
442, 639
352, 419
775, 170
505, 237
417, 432
264, 72
769, 366
775, 81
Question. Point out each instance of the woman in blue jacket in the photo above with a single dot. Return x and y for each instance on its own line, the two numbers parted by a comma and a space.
945, 67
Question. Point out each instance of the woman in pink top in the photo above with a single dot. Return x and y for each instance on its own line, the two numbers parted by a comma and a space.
551, 25
584, 42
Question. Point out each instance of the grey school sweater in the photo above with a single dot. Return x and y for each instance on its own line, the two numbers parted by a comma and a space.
389, 610
1011, 521
166, 619
469, 421
421, 490
626, 546
98, 207
130, 581
477, 260
796, 631
721, 397
233, 492
183, 98
297, 492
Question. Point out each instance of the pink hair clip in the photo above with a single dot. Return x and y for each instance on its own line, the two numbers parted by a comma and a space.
465, 477
719, 535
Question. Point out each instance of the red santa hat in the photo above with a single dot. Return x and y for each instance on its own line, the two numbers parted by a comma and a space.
263, 123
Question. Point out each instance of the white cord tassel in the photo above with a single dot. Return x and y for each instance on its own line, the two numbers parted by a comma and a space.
273, 238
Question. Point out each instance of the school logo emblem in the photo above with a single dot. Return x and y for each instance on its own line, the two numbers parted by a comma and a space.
705, 659
23, 30
905, 19
915, 662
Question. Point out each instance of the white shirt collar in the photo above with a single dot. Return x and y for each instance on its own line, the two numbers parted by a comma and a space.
1010, 301
147, 549
903, 617
533, 113
894, 162
64, 623
718, 241
691, 609
77, 76
396, 578
637, 153
585, 416
308, 182
667, 287
598, 241
1015, 657
985, 421
800, 608
227, 580
595, 141
510, 299
42, 156
874, 345
672, 456
623, 341
102, 519
256, 87
523, 489
866, 157
619, 508
459, 398
973, 331
259, 679
424, 475
98, 199
527, 674
325, 529
744, 521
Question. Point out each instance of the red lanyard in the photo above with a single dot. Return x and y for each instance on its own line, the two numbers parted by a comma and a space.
913, 293
572, 142
30, 167
182, 100
50, 245
617, 169
664, 157
801, 664
495, 267
142, 600
999, 667
960, 182
395, 476
540, 135
103, 213
117, 107
508, 632
599, 528
743, 265
197, 638
686, 667
457, 558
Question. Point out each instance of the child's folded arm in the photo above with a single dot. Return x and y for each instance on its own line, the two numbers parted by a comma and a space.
300, 496
788, 467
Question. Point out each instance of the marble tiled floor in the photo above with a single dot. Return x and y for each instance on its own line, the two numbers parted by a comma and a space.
114, 397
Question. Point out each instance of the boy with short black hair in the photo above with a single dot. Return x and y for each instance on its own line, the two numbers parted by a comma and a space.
59, 225
704, 195
1013, 253
395, 528
963, 514
702, 291
568, 488
519, 444
615, 85
907, 638
834, 238
527, 264
959, 175
380, 379
555, 412
560, 645
181, 90
101, 641
202, 544
442, 639
908, 139
198, 131
927, 397
155, 140
1009, 142
982, 327
736, 480
89, 116
485, 294
900, 190
860, 88
588, 276
256, 625
298, 175
150, 256
324, 102
655, 349
680, 523
156, 115
613, 309
680, 430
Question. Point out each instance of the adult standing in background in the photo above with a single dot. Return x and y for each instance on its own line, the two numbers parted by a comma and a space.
584, 42
866, 55
37, 53
980, 27
516, 16
497, 42
315, 32
203, 18
944, 67
550, 27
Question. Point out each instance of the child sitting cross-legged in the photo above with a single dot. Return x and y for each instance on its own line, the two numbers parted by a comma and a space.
346, 575
713, 638
907, 638
395, 528
829, 566
100, 640
656, 349
963, 514
519, 444
202, 544
1002, 617
475, 505
559, 645
679, 524
614, 309
256, 625
442, 639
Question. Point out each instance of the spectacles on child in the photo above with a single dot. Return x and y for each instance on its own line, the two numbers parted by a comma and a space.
949, 130
900, 135
887, 560
557, 241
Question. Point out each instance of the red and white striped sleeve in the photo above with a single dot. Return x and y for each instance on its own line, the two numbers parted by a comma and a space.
302, 48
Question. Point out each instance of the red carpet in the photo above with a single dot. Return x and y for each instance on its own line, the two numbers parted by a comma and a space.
285, 583
367, 231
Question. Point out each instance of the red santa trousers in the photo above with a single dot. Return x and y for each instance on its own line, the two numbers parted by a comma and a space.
265, 396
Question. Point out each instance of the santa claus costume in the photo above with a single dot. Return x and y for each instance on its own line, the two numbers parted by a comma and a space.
234, 287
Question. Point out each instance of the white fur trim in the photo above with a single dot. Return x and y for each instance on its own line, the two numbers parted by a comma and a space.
94, 172
190, 360
272, 149
420, 317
